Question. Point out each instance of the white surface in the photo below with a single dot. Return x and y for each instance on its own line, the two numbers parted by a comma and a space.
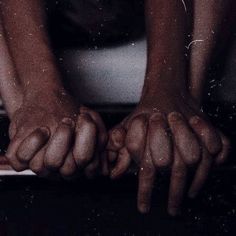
115, 75
111, 75
14, 173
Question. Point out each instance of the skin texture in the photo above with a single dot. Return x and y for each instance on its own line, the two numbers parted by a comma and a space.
48, 131
167, 130
10, 88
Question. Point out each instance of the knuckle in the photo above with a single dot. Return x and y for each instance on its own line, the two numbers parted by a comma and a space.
174, 117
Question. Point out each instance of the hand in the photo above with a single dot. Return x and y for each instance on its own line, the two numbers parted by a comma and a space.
166, 132
52, 135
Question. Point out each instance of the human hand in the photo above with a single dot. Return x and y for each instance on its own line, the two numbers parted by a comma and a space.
51, 135
167, 132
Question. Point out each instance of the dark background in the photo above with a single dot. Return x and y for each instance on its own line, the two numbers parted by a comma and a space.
34, 206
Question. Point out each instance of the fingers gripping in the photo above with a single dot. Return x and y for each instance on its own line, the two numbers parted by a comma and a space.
160, 141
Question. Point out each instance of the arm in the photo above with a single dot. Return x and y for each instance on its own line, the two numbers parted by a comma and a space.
167, 128
29, 44
48, 123
210, 36
10, 88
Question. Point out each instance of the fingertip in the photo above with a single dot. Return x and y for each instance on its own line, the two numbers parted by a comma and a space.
172, 211
68, 121
174, 117
144, 208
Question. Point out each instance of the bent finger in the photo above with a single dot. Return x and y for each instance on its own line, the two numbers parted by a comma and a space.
160, 141
59, 145
136, 137
69, 167
207, 134
37, 164
12, 157
85, 140
122, 164
224, 154
185, 140
32, 144
201, 174
116, 139
177, 184
102, 131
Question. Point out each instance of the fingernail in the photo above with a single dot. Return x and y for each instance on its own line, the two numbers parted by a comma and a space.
174, 116
194, 120
45, 131
157, 117
68, 121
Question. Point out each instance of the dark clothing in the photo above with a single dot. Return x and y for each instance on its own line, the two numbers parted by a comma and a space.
96, 21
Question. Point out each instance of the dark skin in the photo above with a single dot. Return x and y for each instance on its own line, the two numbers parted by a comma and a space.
48, 132
167, 130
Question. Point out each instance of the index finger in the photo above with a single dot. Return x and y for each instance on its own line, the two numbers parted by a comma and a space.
147, 174
177, 184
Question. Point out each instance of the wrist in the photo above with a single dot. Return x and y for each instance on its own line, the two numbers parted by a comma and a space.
44, 96
161, 87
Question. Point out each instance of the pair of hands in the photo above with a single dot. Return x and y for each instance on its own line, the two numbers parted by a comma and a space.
162, 133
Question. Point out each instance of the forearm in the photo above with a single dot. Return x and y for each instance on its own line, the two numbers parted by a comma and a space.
29, 45
211, 30
10, 88
167, 27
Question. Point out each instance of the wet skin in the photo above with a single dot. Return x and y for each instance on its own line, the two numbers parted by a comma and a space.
167, 130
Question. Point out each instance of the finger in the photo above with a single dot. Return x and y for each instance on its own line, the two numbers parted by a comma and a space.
11, 155
177, 184
69, 167
116, 139
136, 137
85, 140
59, 145
201, 174
122, 164
37, 164
92, 169
185, 140
112, 156
207, 134
102, 131
32, 144
147, 174
223, 155
104, 163
160, 141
